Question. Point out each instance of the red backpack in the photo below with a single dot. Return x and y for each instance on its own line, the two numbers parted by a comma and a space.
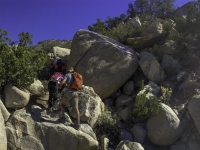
78, 82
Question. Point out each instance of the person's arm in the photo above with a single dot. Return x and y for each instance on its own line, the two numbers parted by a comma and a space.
62, 82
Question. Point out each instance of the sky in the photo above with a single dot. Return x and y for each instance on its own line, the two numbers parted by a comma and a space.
57, 19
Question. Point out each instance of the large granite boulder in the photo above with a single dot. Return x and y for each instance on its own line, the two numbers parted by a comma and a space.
155, 28
194, 110
139, 133
89, 105
15, 97
17, 140
3, 138
135, 22
37, 88
127, 145
165, 127
104, 63
151, 68
22, 129
169, 48
170, 65
128, 88
61, 53
4, 111
183, 10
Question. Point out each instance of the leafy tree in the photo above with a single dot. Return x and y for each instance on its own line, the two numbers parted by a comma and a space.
141, 6
157, 8
122, 32
113, 22
193, 19
18, 63
160, 8
187, 28
99, 27
131, 12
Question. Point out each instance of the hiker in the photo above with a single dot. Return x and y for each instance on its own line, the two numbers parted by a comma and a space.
70, 97
58, 66
53, 85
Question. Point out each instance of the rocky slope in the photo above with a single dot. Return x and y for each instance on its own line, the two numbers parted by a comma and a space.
112, 74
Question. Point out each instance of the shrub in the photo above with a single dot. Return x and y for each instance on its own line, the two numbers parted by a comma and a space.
106, 125
124, 31
144, 107
142, 85
167, 26
18, 63
47, 45
166, 94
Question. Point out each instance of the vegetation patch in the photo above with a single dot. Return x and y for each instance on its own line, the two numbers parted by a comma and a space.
106, 125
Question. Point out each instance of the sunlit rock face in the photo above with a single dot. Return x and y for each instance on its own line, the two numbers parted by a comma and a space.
104, 63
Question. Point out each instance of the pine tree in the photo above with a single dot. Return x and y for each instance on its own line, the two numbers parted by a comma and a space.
18, 63
160, 8
141, 6
99, 27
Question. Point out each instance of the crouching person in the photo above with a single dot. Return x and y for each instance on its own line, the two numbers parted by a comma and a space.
70, 97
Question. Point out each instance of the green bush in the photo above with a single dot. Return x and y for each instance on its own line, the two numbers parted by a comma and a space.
144, 107
142, 85
120, 31
123, 31
47, 45
106, 125
107, 120
99, 27
166, 94
19, 65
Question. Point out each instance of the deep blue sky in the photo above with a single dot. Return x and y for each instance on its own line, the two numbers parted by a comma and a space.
57, 19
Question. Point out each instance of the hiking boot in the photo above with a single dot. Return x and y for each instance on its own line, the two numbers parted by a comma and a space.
62, 119
76, 126
50, 109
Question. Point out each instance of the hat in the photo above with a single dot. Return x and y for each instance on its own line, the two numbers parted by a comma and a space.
71, 69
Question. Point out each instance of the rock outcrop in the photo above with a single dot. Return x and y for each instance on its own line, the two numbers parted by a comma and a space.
3, 138
104, 63
24, 132
165, 127
15, 97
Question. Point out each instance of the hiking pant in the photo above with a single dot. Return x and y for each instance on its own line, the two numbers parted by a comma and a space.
70, 98
53, 92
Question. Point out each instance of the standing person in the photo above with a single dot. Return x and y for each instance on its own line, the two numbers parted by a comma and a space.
53, 85
52, 68
70, 97
58, 66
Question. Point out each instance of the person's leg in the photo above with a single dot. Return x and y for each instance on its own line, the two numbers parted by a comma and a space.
55, 92
50, 94
77, 114
74, 104
62, 116
51, 70
63, 104
62, 108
